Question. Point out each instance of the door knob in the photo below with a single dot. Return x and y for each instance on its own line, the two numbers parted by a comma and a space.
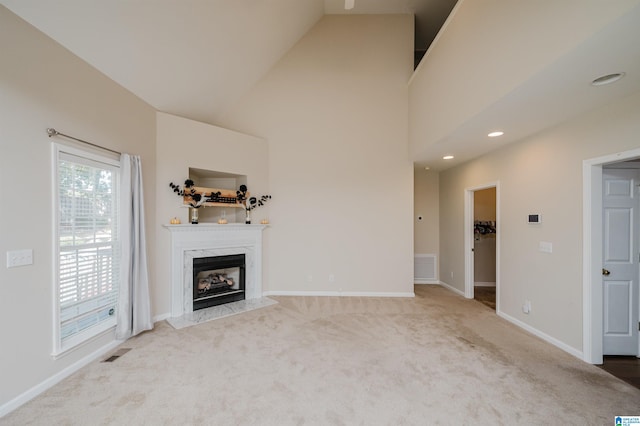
606, 272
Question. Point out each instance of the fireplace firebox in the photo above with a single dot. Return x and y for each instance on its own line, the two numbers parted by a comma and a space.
218, 280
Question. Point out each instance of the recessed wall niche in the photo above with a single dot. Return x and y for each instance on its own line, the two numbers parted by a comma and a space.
221, 180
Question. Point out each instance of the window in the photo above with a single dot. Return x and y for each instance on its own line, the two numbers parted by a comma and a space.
87, 245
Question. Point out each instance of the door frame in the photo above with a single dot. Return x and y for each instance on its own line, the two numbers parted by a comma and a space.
592, 297
469, 236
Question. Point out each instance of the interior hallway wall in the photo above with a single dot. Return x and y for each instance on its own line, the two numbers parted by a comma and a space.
542, 174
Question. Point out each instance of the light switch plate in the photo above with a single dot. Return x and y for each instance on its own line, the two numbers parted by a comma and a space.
19, 258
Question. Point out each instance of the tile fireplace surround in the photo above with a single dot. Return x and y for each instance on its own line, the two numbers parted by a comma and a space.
210, 239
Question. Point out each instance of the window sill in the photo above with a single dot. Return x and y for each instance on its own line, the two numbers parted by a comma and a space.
83, 339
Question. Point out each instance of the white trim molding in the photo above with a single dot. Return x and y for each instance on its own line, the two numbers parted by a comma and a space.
469, 242
592, 298
339, 293
549, 339
161, 317
36, 390
544, 336
453, 289
484, 284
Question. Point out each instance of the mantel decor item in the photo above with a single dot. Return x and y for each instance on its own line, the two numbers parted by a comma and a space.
197, 200
250, 203
223, 219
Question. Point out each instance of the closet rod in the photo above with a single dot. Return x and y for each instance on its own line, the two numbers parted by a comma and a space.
53, 132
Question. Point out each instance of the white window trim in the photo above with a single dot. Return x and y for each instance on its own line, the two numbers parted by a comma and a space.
85, 336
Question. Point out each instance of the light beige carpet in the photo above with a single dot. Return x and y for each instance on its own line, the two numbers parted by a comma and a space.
435, 359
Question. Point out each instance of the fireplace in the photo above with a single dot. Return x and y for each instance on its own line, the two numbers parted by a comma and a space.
189, 242
218, 280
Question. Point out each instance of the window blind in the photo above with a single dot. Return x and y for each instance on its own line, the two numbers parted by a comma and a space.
88, 257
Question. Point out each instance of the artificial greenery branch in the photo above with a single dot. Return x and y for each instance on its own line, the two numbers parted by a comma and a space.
251, 202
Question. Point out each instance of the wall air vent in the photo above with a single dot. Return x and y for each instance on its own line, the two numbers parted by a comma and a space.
424, 269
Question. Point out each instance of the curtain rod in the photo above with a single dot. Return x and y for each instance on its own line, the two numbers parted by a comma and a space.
53, 132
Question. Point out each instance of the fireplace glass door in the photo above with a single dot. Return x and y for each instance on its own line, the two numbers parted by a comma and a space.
218, 280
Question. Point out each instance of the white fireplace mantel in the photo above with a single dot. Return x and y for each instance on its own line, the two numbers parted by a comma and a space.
211, 239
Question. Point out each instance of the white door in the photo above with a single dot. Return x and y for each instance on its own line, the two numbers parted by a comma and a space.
620, 261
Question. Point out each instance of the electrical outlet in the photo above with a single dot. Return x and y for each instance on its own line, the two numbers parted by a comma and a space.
332, 278
526, 307
19, 258
309, 278
546, 247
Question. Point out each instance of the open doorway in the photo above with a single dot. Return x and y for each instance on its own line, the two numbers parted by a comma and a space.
482, 244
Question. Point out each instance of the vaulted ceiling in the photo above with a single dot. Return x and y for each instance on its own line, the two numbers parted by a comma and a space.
522, 66
191, 58
519, 67
195, 58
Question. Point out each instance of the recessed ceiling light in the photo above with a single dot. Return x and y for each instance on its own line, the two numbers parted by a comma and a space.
448, 157
427, 168
495, 134
607, 79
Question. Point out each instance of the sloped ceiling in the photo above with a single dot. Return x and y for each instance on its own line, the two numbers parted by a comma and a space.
196, 58
191, 58
518, 67
514, 65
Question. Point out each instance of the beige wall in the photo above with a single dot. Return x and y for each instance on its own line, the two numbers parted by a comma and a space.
542, 174
426, 232
43, 85
334, 111
181, 144
484, 205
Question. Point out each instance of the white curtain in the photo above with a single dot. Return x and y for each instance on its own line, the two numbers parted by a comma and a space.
134, 309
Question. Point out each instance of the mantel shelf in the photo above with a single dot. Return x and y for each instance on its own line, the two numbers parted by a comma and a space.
186, 227
230, 205
226, 193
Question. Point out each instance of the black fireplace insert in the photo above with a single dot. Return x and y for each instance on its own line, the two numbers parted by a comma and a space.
218, 280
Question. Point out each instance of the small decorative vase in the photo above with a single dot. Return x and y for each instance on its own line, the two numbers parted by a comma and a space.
223, 218
248, 218
194, 216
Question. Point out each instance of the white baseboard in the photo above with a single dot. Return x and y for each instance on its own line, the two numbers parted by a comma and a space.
338, 293
484, 284
55, 379
161, 317
552, 340
60, 376
416, 281
555, 342
453, 289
